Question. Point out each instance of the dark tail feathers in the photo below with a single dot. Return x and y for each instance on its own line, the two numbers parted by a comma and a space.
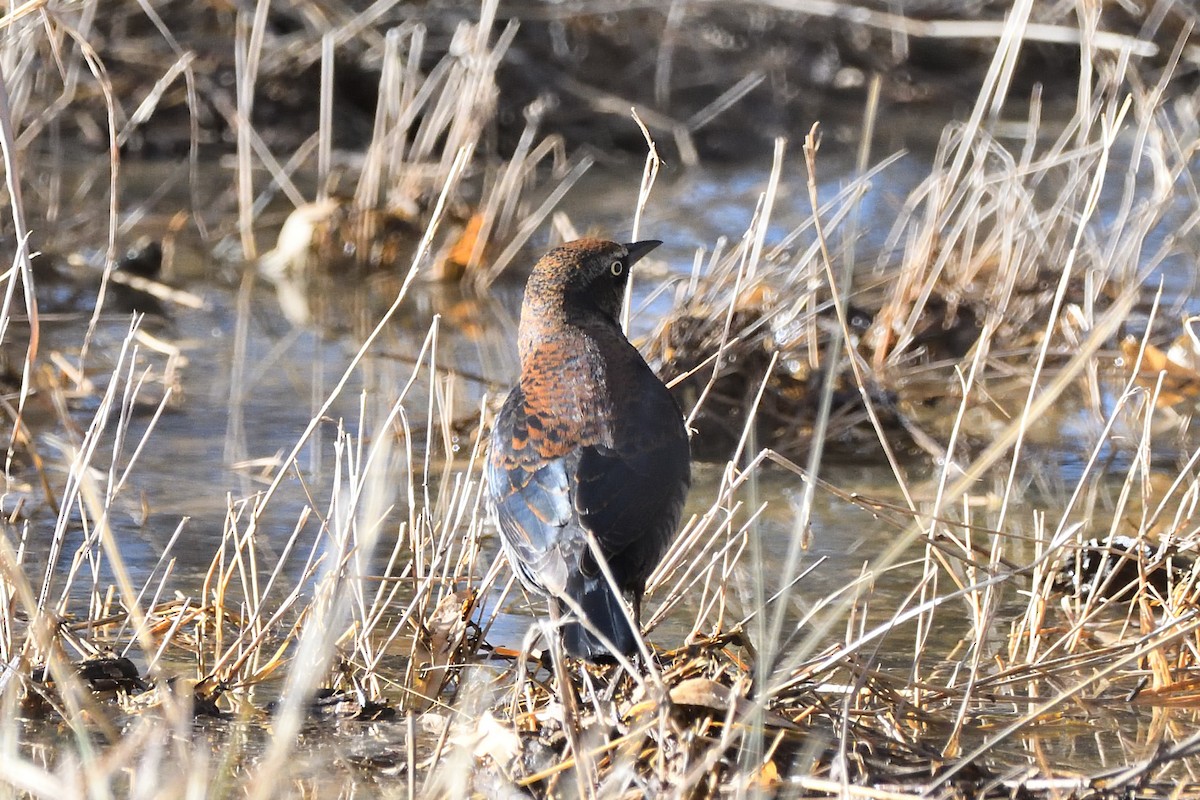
603, 610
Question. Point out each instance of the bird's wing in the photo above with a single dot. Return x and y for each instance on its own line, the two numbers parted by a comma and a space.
531, 494
631, 495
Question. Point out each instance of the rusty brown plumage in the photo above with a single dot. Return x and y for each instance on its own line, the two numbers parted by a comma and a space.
588, 441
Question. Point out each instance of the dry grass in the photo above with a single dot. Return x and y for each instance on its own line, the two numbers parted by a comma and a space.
360, 653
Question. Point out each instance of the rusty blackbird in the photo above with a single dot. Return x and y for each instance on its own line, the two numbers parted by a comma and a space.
588, 441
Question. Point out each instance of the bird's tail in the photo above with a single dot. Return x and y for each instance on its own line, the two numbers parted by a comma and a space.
603, 611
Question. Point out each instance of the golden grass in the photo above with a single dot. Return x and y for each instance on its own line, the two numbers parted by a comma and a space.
374, 619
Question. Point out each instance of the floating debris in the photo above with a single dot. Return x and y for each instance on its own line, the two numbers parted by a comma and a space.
349, 706
1115, 567
1172, 375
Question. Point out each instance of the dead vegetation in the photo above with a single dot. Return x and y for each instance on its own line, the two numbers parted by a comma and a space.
1010, 634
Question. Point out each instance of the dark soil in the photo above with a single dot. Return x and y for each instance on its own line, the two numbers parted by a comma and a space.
588, 63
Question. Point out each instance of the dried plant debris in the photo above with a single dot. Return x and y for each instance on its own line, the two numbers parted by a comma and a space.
942, 330
1118, 566
1171, 375
117, 678
938, 302
202, 698
337, 236
344, 706
67, 284
749, 363
800, 63
688, 734
440, 645
757, 368
106, 676
102, 675
684, 69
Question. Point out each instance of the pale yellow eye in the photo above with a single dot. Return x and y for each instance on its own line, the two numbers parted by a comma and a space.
617, 268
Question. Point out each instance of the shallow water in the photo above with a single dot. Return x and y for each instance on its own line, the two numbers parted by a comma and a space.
253, 381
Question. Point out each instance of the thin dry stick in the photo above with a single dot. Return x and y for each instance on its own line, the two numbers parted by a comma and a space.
325, 126
958, 29
649, 174
249, 53
22, 268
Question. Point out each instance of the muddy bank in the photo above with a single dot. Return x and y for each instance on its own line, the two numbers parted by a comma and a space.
710, 80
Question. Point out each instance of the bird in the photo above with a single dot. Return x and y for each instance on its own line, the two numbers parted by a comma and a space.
589, 441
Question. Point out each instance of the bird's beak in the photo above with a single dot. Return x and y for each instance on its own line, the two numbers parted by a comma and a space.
639, 249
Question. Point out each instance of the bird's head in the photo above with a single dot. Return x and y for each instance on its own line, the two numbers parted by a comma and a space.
583, 277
